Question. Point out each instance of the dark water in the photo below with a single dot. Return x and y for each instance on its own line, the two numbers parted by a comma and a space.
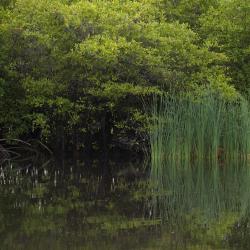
91, 206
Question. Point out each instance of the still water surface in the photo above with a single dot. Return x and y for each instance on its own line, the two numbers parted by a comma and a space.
53, 206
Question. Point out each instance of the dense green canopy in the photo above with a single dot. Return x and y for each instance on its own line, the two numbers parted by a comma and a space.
78, 70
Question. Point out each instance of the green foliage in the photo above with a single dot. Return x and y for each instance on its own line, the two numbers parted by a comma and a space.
79, 69
6, 3
188, 11
226, 29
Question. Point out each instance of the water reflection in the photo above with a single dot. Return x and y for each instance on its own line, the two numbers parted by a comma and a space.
208, 200
79, 207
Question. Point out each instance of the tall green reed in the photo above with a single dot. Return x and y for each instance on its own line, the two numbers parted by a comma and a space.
199, 150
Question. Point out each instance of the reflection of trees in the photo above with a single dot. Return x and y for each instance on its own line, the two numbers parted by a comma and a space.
204, 202
65, 210
10, 210
54, 205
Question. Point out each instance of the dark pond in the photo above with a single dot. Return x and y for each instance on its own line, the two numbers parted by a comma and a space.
47, 205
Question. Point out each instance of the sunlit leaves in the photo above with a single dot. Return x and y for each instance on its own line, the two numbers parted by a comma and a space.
71, 62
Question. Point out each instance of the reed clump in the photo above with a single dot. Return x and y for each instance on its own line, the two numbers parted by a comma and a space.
199, 151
